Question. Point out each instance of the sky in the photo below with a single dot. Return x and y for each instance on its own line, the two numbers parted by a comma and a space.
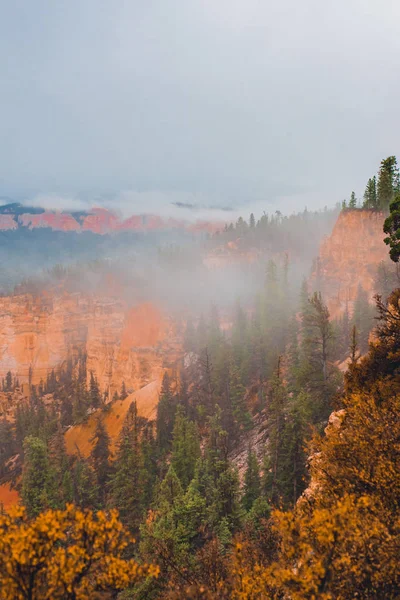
272, 104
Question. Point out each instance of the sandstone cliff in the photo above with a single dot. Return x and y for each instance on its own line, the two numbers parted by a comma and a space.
349, 257
122, 342
97, 220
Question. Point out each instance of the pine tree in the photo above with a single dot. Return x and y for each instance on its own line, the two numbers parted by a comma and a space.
392, 228
36, 492
60, 466
252, 221
94, 391
100, 458
127, 482
252, 481
388, 182
165, 415
277, 400
185, 448
317, 375
353, 201
7, 444
370, 194
86, 491
9, 382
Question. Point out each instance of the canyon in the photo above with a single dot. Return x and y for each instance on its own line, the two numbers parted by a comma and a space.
134, 342
137, 342
97, 220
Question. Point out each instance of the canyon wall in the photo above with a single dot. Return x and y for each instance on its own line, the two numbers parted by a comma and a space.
96, 220
122, 342
349, 257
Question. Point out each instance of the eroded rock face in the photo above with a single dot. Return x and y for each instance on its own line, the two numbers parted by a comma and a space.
122, 342
97, 220
349, 257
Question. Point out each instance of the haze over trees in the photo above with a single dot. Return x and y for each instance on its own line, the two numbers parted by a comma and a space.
264, 474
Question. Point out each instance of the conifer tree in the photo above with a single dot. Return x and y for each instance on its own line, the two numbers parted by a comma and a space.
388, 182
353, 201
127, 481
370, 195
185, 448
100, 457
36, 489
60, 466
317, 375
86, 491
392, 228
165, 415
9, 382
252, 481
94, 391
7, 443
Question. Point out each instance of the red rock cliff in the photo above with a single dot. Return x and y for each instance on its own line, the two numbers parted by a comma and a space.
122, 342
350, 256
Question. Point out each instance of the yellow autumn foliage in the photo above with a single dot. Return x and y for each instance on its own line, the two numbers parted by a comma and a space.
65, 554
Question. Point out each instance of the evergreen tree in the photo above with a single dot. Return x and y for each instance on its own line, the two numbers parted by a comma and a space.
100, 458
388, 182
277, 400
392, 228
370, 194
7, 444
185, 448
60, 466
165, 415
252, 481
252, 221
353, 201
9, 382
94, 391
127, 482
86, 491
36, 491
317, 375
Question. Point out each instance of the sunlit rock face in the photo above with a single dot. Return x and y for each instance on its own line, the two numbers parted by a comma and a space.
122, 342
349, 257
96, 220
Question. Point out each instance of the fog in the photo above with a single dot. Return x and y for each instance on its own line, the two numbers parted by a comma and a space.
226, 104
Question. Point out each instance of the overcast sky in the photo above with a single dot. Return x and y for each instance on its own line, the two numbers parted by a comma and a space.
285, 102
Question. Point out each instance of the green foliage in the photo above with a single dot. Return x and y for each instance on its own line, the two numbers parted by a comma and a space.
36, 490
252, 482
392, 228
185, 448
100, 457
370, 194
388, 182
127, 481
165, 415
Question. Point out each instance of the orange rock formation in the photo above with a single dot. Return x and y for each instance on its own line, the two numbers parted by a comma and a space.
350, 256
122, 342
78, 438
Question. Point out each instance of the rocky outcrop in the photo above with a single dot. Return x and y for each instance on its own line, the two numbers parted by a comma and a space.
122, 342
78, 438
349, 257
96, 220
